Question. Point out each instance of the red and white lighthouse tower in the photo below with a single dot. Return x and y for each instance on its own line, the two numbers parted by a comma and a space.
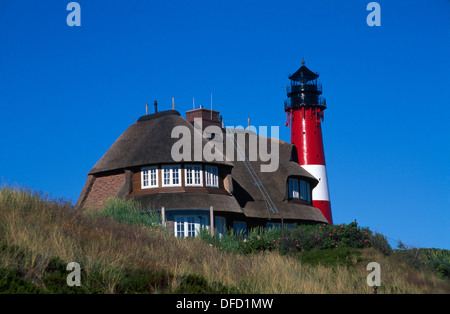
304, 108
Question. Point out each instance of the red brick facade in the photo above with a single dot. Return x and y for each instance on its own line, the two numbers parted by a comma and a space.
104, 188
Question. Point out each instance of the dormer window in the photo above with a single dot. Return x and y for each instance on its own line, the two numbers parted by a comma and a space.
171, 175
193, 175
299, 189
149, 177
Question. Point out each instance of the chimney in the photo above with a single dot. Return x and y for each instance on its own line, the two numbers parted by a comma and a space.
208, 116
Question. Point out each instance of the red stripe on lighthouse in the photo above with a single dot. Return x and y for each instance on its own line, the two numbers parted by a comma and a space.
306, 135
325, 208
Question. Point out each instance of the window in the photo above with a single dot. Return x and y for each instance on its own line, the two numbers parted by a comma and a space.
212, 178
171, 175
149, 177
299, 189
273, 225
293, 188
277, 225
179, 227
240, 227
194, 175
303, 190
187, 226
221, 225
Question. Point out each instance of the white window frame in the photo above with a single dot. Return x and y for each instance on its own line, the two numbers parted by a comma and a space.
212, 176
146, 177
187, 226
171, 172
195, 173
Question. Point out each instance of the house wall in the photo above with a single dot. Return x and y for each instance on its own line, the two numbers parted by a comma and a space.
137, 185
104, 187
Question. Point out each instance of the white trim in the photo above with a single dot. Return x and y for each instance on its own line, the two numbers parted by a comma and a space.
186, 226
192, 172
171, 174
146, 171
212, 176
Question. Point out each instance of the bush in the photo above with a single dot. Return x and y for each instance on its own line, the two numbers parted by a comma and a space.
195, 284
380, 243
13, 282
299, 239
434, 259
142, 281
129, 211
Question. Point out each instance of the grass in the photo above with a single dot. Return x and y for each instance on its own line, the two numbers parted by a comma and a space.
128, 253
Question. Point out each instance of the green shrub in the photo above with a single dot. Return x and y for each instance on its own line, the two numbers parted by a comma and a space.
195, 284
129, 211
436, 260
13, 282
55, 278
142, 281
380, 243
298, 239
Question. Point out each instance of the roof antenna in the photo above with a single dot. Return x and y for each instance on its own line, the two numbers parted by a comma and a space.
211, 106
173, 103
156, 106
146, 109
193, 103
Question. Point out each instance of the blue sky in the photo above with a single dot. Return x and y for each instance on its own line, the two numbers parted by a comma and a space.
67, 93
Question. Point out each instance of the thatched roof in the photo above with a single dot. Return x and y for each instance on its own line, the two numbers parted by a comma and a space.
148, 141
275, 183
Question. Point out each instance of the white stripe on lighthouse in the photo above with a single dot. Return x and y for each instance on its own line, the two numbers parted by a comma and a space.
320, 192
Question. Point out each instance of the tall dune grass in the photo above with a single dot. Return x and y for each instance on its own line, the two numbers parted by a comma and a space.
34, 230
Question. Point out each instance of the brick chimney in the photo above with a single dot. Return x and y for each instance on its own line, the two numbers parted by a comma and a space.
208, 116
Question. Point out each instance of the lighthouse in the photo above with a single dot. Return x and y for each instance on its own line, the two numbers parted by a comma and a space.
304, 108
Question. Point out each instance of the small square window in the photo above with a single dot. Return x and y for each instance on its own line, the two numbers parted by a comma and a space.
149, 177
171, 175
194, 175
212, 176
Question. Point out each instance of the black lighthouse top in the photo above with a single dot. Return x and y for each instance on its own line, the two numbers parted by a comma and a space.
304, 90
303, 74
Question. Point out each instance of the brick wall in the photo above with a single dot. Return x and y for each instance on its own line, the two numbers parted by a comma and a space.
103, 188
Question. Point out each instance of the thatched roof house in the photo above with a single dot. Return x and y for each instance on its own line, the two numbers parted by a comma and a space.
140, 165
